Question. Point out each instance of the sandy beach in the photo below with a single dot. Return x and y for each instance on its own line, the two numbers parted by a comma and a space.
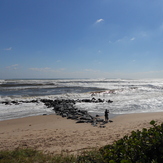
54, 134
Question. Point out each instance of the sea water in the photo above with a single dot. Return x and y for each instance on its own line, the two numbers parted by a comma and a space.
128, 96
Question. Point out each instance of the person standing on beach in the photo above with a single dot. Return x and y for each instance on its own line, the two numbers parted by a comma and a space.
106, 115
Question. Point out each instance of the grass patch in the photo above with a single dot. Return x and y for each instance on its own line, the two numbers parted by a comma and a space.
23, 155
33, 156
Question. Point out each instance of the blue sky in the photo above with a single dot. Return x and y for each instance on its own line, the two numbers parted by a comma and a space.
81, 39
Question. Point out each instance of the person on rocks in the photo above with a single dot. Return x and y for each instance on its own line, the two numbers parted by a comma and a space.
106, 115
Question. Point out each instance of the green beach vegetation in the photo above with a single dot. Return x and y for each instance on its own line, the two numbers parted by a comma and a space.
144, 146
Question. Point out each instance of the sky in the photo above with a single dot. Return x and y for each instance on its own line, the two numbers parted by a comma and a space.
81, 39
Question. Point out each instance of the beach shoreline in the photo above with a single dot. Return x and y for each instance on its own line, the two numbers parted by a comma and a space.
54, 134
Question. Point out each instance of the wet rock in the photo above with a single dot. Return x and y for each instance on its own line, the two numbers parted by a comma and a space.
86, 100
102, 126
6, 102
64, 115
99, 120
109, 101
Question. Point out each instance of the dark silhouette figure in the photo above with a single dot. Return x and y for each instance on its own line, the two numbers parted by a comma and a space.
106, 115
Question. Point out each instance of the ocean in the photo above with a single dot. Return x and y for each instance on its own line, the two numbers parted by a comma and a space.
128, 96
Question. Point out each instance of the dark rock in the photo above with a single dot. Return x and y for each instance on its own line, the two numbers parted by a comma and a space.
102, 126
83, 111
86, 100
85, 118
64, 115
80, 121
93, 99
15, 102
74, 117
6, 102
99, 100
109, 101
99, 120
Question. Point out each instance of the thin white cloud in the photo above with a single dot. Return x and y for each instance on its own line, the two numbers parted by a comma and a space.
47, 69
153, 72
62, 69
10, 48
132, 39
119, 40
161, 27
92, 71
99, 20
14, 67
124, 39
40, 69
143, 34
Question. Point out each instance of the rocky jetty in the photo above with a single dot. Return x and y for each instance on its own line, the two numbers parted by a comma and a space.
66, 108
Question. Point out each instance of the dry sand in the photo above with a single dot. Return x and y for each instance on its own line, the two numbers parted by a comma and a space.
54, 134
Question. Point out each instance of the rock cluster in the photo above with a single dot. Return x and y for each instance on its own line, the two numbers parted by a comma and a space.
94, 100
66, 108
17, 102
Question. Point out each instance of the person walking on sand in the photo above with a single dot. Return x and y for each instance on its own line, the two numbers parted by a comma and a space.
106, 115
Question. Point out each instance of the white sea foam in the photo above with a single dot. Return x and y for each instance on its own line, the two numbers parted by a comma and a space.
23, 110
